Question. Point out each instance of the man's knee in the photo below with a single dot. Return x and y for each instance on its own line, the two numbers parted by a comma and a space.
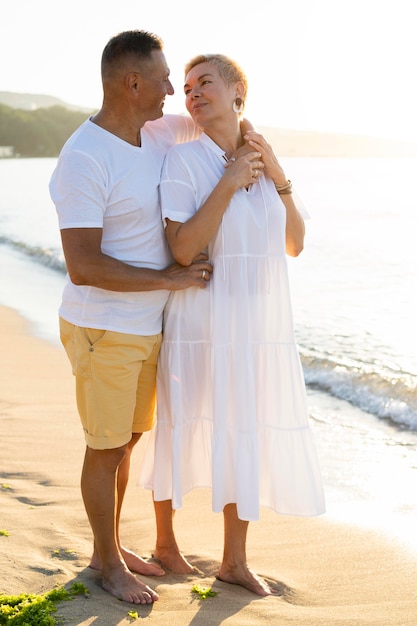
109, 458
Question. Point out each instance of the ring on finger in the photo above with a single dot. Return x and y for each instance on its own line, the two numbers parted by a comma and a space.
203, 275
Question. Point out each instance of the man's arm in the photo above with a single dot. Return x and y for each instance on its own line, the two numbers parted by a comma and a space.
87, 265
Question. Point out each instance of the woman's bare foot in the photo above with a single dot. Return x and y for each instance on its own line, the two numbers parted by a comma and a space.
246, 578
125, 586
134, 562
172, 559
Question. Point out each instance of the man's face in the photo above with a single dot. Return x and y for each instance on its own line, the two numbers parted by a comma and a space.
155, 85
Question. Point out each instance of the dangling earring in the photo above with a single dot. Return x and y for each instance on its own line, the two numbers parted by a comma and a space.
238, 105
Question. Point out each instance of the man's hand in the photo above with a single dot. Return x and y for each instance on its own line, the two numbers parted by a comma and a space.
197, 274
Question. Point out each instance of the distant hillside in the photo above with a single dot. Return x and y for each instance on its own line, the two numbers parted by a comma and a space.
315, 144
286, 142
31, 102
36, 133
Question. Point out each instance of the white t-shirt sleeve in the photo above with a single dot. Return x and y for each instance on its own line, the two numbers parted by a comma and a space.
177, 192
78, 190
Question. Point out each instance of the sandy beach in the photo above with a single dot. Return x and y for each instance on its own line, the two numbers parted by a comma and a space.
326, 573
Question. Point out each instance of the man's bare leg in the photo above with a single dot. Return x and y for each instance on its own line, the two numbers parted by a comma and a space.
166, 550
134, 562
234, 568
98, 486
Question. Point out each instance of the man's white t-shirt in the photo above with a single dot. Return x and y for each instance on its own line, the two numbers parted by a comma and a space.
101, 181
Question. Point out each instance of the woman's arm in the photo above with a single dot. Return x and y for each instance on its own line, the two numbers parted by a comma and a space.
188, 239
295, 227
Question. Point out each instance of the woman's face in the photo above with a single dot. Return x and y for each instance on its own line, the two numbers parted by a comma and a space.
207, 97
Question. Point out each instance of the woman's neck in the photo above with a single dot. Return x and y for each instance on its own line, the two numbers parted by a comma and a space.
227, 138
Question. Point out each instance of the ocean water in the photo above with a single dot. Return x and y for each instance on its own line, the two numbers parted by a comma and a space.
354, 300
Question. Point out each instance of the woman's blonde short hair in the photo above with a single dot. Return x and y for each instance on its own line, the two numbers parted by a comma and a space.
228, 69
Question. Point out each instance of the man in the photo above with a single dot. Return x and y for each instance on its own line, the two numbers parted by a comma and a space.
105, 188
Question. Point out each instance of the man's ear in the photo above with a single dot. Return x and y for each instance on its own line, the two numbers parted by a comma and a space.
133, 82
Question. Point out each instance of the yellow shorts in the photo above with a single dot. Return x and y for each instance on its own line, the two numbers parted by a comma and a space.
115, 382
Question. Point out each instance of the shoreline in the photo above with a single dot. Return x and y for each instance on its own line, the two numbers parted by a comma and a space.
328, 571
367, 464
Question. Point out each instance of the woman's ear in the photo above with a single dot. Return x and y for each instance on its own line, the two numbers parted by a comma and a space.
240, 91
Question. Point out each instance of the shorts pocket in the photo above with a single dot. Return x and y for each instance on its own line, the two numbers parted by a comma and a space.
79, 343
86, 340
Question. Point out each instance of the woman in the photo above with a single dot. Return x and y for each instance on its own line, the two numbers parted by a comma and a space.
232, 408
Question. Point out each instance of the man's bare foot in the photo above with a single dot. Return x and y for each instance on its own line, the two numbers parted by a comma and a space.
134, 562
246, 578
172, 559
125, 586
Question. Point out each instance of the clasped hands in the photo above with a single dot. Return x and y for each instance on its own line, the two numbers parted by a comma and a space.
260, 157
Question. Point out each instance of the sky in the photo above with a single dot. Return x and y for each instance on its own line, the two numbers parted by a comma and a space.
343, 66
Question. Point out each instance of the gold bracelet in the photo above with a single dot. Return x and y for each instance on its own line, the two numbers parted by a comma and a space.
284, 189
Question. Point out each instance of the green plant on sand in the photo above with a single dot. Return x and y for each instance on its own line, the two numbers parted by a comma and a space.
36, 610
203, 592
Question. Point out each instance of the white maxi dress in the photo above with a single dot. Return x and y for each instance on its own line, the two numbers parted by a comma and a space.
231, 401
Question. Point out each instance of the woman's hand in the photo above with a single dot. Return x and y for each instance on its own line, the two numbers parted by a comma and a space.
246, 166
271, 163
